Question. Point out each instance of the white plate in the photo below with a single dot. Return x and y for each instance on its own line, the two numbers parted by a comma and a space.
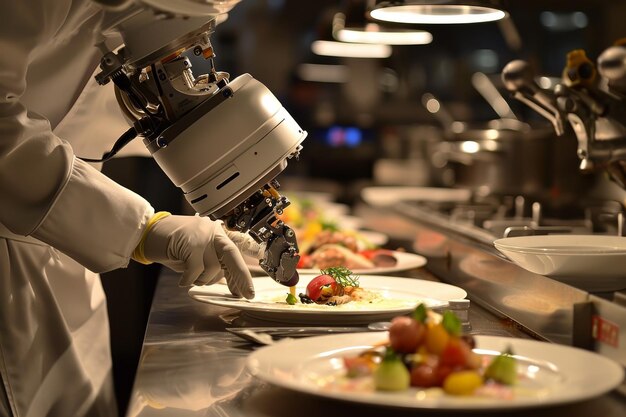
553, 374
374, 238
405, 262
400, 296
386, 196
590, 262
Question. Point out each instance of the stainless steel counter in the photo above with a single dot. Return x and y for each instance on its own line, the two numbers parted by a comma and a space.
190, 366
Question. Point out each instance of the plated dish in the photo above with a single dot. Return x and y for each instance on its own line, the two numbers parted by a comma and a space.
404, 262
397, 296
549, 374
306, 210
593, 263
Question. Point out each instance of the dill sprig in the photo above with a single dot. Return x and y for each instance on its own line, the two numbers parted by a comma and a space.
343, 276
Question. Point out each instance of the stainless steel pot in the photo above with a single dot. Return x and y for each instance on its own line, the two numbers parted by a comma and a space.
507, 157
501, 158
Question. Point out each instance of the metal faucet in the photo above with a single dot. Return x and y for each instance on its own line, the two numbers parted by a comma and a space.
593, 106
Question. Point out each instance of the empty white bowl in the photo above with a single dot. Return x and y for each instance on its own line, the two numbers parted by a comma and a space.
593, 263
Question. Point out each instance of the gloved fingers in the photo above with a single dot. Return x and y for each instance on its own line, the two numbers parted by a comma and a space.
246, 244
236, 271
240, 284
194, 267
212, 270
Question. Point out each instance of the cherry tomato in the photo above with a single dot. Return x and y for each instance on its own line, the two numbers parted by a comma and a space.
456, 353
319, 284
442, 372
436, 339
406, 334
462, 383
424, 376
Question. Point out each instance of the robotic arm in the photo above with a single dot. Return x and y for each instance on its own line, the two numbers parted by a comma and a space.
221, 142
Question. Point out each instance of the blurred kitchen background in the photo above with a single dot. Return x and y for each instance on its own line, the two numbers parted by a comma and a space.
367, 118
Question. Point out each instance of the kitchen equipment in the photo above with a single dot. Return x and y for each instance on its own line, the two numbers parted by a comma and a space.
499, 159
172, 107
502, 156
483, 84
506, 157
592, 107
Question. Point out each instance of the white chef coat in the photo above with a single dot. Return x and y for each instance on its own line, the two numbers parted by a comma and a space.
57, 213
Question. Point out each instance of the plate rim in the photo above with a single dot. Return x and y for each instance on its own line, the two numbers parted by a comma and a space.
564, 397
606, 250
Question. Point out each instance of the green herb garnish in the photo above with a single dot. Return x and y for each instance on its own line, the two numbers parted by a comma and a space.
291, 299
420, 313
329, 225
343, 276
451, 323
305, 203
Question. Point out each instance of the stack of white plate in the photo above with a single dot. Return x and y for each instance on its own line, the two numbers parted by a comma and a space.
594, 263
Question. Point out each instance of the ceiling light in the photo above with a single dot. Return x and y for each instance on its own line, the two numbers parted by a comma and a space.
437, 11
373, 33
563, 22
324, 73
345, 30
350, 50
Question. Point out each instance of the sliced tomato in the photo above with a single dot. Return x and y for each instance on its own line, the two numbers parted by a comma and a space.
321, 284
456, 353
380, 257
368, 253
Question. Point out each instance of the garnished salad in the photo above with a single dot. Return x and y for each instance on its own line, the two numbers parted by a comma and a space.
427, 350
334, 286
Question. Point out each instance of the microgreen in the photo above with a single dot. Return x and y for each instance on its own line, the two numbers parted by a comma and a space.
342, 275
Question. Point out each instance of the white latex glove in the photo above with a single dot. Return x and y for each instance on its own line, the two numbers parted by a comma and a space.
246, 244
200, 249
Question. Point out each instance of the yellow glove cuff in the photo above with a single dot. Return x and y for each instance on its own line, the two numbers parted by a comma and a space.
138, 252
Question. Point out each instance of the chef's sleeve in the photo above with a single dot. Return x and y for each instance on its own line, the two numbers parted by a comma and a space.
45, 191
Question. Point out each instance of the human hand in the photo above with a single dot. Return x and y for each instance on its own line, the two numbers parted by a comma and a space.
200, 249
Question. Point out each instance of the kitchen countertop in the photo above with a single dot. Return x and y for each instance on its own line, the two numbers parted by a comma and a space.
191, 366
